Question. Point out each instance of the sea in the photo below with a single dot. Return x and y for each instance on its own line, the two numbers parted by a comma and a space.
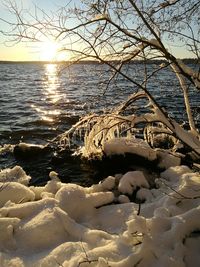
39, 101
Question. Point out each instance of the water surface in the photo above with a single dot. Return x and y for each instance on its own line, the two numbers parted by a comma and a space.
40, 101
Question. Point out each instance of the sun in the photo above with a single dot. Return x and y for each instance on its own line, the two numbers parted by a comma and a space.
48, 51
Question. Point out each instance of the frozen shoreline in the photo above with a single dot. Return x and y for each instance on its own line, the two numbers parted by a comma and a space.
69, 225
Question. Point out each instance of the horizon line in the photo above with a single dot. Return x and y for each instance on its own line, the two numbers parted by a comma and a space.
83, 61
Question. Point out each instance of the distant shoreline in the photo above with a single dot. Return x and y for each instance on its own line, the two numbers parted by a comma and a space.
186, 60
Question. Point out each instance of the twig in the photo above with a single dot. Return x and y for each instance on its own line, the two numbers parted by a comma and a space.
139, 209
178, 193
87, 257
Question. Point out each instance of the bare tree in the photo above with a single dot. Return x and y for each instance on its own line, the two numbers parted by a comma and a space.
117, 33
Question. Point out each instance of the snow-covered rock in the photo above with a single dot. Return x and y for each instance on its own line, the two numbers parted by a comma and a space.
106, 184
167, 159
15, 192
120, 146
78, 204
123, 199
16, 174
131, 180
144, 194
173, 173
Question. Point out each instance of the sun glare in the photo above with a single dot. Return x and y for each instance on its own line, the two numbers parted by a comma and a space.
49, 51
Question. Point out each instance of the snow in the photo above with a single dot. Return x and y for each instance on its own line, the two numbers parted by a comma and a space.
69, 225
101, 17
123, 199
167, 159
14, 192
17, 174
131, 180
129, 145
144, 194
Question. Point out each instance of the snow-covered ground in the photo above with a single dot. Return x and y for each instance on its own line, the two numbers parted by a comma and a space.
69, 225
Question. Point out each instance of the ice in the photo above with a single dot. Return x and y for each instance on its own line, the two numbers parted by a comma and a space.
69, 225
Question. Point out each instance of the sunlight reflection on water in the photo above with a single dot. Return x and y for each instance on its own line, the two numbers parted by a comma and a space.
51, 84
51, 95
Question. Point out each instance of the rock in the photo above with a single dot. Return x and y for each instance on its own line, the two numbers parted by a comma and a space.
123, 145
24, 150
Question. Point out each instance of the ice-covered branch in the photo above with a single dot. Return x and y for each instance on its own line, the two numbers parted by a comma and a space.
187, 103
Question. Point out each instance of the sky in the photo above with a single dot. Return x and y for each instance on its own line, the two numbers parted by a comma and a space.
46, 51
23, 51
